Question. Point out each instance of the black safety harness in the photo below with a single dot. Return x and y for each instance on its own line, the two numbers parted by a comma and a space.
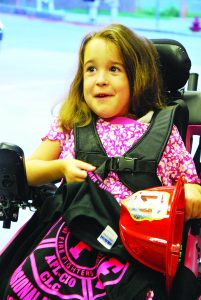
137, 168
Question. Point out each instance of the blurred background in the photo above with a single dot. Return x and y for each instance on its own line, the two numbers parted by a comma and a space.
39, 42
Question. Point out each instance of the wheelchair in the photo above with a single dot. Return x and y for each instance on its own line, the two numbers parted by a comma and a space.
180, 88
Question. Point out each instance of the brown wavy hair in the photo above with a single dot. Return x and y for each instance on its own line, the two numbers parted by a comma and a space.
141, 63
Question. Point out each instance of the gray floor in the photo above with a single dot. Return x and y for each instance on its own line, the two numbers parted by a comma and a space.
37, 62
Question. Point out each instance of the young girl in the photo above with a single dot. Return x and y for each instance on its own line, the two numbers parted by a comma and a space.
118, 81
114, 81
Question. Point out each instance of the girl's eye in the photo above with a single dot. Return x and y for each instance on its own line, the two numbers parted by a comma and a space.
91, 69
114, 69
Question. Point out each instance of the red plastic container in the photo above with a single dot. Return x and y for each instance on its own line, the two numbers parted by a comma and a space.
151, 226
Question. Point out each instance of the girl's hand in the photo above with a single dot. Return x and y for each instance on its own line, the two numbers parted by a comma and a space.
75, 170
193, 201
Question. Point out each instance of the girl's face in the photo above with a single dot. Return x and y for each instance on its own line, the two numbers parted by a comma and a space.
106, 85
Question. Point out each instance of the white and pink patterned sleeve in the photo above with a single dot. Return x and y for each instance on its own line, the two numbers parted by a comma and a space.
176, 161
56, 133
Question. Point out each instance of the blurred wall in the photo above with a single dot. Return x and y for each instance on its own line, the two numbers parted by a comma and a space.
125, 5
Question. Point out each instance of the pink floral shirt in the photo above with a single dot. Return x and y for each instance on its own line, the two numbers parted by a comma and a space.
117, 136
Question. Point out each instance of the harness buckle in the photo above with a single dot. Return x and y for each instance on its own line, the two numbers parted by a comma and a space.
122, 164
114, 163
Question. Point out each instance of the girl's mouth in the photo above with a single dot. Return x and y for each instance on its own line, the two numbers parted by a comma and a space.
102, 95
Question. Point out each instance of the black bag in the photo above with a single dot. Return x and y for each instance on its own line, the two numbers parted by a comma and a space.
87, 210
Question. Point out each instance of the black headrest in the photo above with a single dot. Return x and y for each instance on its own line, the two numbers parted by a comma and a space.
175, 63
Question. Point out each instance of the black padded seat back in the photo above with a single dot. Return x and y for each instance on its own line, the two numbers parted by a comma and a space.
175, 66
174, 62
193, 101
182, 120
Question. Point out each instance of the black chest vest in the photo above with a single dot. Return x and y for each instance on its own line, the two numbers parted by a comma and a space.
137, 168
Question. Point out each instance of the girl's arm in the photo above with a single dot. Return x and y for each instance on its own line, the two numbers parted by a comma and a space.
44, 165
193, 201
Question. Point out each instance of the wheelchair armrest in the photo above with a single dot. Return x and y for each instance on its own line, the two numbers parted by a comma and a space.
39, 194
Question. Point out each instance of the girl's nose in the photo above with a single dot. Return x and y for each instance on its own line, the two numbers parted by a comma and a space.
101, 79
